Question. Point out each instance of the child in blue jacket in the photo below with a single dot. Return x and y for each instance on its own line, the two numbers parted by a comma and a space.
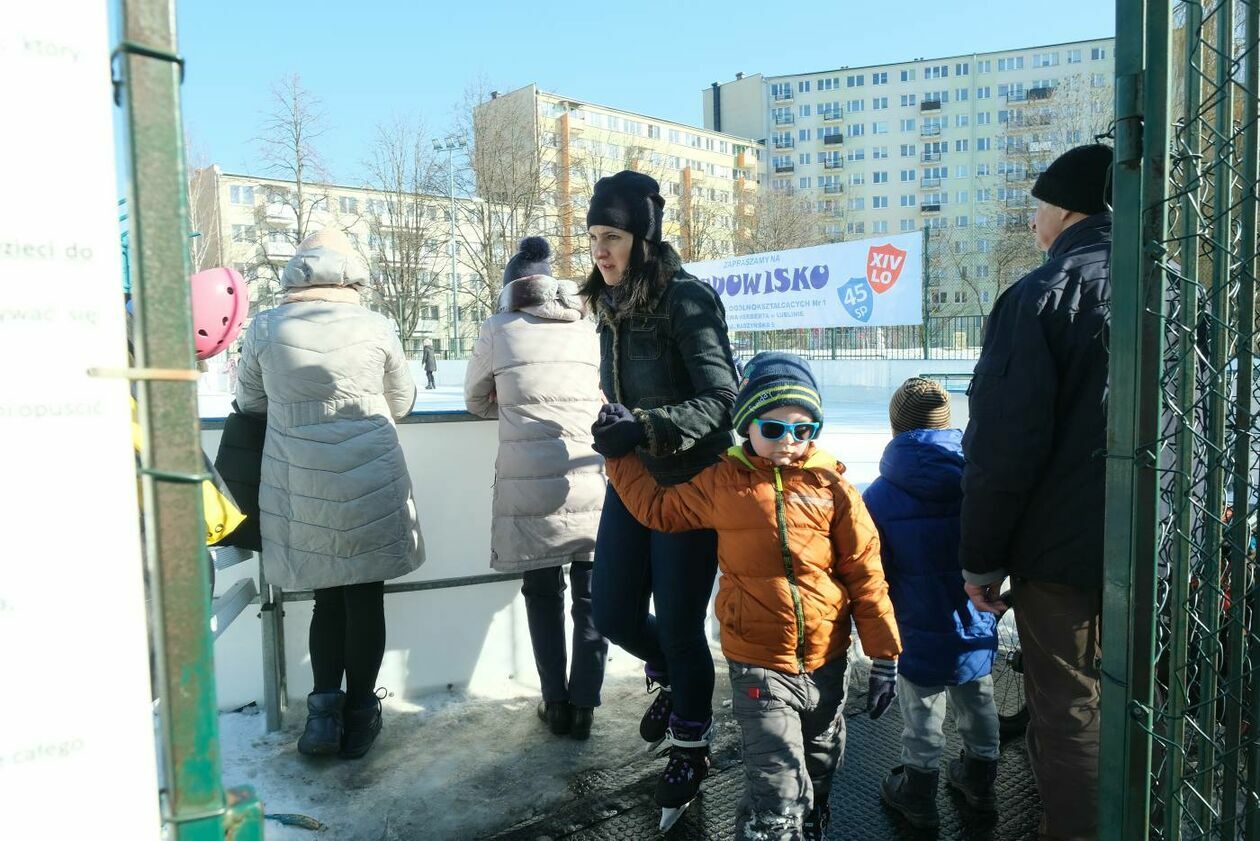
947, 645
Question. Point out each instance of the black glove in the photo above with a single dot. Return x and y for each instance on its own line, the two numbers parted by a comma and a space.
617, 431
882, 689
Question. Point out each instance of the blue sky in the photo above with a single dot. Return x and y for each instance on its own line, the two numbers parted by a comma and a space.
370, 60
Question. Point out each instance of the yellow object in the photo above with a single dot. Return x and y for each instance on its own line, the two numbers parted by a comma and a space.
221, 514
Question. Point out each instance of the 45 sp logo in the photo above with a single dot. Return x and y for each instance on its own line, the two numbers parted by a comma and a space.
857, 299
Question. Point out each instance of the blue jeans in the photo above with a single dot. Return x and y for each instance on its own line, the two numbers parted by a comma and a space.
634, 563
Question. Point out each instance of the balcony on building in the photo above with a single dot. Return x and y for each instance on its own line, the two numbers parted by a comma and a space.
784, 143
930, 131
1016, 97
832, 116
278, 250
1040, 146
1040, 93
782, 168
930, 105
785, 120
746, 161
833, 189
931, 157
833, 139
785, 96
930, 208
833, 163
930, 183
1016, 177
280, 212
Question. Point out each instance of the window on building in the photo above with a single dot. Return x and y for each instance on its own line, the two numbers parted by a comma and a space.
857, 179
803, 134
880, 177
961, 120
962, 95
960, 197
880, 227
936, 71
1045, 60
962, 68
909, 124
805, 182
985, 92
907, 225
960, 296
879, 202
879, 152
1097, 80
879, 127
804, 158
961, 145
856, 154
909, 150
857, 227
983, 144
909, 199
856, 81
962, 171
241, 194
879, 78
802, 87
984, 118
856, 129
1013, 63
909, 175
984, 194
675, 135
1097, 53
984, 65
936, 96
1073, 56
244, 233
908, 75
879, 103
857, 203
349, 204
855, 105
909, 99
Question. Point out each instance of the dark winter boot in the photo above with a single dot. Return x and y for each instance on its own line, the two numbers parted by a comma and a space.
322, 736
688, 762
816, 822
557, 715
655, 721
583, 717
912, 793
974, 778
363, 723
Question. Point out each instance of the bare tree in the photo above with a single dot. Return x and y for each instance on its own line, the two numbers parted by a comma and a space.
780, 219
508, 191
403, 251
205, 250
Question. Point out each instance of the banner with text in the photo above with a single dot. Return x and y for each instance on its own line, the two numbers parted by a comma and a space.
870, 282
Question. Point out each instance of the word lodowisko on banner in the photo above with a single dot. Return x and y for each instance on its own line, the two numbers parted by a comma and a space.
875, 282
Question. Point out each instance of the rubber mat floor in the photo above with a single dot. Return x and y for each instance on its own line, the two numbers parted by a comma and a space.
616, 804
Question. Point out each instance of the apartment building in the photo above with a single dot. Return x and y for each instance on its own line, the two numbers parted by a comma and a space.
950, 144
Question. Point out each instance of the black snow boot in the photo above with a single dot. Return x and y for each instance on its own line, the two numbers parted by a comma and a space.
583, 717
557, 715
322, 736
688, 764
816, 822
974, 778
912, 793
363, 723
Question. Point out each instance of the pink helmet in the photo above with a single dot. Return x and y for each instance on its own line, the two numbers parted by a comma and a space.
220, 301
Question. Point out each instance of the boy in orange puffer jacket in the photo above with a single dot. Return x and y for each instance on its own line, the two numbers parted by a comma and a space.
799, 556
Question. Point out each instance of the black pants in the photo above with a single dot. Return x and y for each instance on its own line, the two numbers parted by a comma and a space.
431, 383
544, 606
348, 639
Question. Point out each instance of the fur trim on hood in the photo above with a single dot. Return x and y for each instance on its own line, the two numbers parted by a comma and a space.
639, 292
327, 294
325, 258
544, 297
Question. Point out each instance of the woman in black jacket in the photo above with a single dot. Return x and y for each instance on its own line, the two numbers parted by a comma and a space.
666, 365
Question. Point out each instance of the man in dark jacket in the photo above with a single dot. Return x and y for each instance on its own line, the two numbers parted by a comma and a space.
1034, 479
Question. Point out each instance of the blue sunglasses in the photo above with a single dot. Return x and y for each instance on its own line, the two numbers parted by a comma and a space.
773, 430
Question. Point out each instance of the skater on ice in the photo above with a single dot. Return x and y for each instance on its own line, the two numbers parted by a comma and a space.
799, 557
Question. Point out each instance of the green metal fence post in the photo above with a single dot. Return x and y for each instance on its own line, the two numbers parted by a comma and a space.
926, 274
195, 806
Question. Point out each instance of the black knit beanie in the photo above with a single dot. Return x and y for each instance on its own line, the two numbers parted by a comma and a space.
919, 404
1079, 180
630, 201
773, 379
530, 260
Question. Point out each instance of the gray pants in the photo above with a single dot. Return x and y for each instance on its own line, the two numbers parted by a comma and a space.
923, 713
793, 734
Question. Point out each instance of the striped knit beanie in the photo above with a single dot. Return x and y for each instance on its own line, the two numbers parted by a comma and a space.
773, 379
919, 404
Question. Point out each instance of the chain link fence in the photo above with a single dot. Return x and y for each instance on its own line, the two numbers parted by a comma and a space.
1181, 716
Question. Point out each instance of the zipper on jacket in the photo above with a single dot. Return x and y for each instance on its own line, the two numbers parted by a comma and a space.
780, 513
616, 361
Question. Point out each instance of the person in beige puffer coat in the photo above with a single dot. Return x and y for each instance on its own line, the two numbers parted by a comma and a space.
536, 368
336, 497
